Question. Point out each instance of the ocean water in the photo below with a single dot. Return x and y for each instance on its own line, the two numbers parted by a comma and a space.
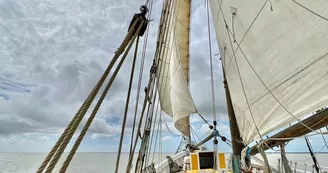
105, 162
81, 163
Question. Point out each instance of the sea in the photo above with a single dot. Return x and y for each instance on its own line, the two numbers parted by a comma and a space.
105, 162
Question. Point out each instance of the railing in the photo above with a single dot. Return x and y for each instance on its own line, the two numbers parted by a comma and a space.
164, 167
301, 167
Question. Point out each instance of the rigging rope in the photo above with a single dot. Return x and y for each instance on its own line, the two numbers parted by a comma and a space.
291, 138
211, 63
170, 131
62, 142
95, 110
157, 54
243, 87
197, 136
215, 142
270, 91
145, 137
324, 139
152, 160
140, 73
309, 10
150, 83
316, 164
160, 138
126, 107
204, 119
152, 136
61, 138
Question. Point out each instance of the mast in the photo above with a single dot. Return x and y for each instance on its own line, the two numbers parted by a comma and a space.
312, 154
236, 140
188, 62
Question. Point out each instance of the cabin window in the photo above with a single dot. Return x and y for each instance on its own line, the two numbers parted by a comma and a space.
206, 160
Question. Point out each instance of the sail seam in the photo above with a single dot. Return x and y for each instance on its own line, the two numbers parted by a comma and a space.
242, 84
249, 28
292, 76
234, 57
309, 10
271, 91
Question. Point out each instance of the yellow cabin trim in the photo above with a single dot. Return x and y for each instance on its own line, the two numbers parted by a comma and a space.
222, 161
197, 171
194, 161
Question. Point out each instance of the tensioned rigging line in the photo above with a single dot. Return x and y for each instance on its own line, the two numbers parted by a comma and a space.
211, 62
229, 31
270, 91
309, 10
248, 29
161, 53
161, 85
160, 138
126, 107
198, 137
132, 149
82, 134
160, 39
156, 139
291, 138
62, 142
150, 86
141, 73
316, 164
170, 131
152, 134
242, 84
212, 86
145, 101
145, 138
323, 138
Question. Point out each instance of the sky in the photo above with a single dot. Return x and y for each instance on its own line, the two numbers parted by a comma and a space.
52, 53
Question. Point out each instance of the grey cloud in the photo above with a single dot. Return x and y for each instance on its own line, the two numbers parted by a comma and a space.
63, 47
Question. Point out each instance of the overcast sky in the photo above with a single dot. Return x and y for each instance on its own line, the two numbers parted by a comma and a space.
52, 53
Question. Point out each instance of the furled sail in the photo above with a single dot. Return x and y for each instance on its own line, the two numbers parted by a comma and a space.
275, 53
173, 68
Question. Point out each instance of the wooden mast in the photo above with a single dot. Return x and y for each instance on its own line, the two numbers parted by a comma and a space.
236, 139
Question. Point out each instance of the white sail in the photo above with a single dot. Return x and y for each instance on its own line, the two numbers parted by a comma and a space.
173, 69
286, 48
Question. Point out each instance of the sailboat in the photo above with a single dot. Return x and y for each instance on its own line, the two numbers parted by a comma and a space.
274, 60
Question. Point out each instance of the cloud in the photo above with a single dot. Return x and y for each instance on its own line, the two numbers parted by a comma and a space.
52, 53
166, 138
100, 136
44, 138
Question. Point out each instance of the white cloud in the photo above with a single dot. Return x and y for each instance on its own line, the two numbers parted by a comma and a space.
101, 136
44, 138
166, 138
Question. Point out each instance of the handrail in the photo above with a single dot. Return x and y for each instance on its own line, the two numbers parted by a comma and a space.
294, 165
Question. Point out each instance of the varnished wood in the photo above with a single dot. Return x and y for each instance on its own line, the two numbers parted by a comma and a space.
315, 122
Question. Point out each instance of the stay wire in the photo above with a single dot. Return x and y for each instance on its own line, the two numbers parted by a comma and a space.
153, 132
169, 130
212, 84
143, 57
156, 139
